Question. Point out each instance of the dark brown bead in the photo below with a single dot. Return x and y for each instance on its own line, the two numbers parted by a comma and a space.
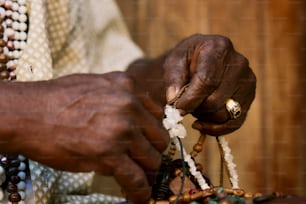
14, 163
14, 197
2, 43
4, 74
2, 66
15, 179
11, 36
11, 188
1, 31
12, 171
199, 167
3, 58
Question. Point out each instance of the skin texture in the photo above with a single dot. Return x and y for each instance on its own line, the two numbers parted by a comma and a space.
84, 123
212, 71
111, 123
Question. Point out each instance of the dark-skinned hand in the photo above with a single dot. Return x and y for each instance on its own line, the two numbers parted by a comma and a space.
84, 123
213, 72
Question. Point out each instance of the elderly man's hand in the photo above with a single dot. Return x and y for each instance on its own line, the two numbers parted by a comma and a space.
212, 72
85, 123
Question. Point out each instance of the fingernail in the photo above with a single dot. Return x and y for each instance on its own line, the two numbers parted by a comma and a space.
171, 93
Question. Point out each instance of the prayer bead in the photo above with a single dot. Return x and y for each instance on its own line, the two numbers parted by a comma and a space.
21, 185
22, 175
13, 36
14, 197
22, 166
12, 171
3, 58
11, 188
2, 67
193, 191
15, 179
4, 75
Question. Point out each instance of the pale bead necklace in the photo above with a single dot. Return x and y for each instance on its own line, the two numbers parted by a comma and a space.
13, 37
172, 122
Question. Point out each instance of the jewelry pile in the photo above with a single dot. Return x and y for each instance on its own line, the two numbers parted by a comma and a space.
182, 180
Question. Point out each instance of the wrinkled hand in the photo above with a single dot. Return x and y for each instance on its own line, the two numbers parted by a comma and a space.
95, 123
213, 72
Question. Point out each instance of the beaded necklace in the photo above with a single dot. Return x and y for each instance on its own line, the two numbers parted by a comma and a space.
182, 180
13, 37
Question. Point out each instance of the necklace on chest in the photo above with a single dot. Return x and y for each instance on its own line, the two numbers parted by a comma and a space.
13, 37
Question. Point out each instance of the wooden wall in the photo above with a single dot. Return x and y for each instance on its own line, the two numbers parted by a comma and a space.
270, 149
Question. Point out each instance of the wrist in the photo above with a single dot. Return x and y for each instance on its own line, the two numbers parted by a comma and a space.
20, 106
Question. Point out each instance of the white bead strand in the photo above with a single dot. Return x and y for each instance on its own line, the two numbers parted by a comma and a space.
228, 157
172, 122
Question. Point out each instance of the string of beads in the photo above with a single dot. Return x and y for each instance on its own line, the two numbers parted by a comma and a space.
13, 37
195, 187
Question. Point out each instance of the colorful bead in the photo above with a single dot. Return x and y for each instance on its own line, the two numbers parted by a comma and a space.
193, 191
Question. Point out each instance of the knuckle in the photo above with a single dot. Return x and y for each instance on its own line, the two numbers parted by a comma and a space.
122, 79
197, 36
172, 61
209, 83
220, 42
224, 42
128, 102
243, 61
124, 128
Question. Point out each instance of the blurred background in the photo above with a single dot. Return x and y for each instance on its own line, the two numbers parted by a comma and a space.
270, 148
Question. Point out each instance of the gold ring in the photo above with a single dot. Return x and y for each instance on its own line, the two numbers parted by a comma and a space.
233, 108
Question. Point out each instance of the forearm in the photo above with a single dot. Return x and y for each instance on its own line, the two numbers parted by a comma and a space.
20, 105
148, 77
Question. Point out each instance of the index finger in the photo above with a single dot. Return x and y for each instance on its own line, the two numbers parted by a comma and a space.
203, 73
